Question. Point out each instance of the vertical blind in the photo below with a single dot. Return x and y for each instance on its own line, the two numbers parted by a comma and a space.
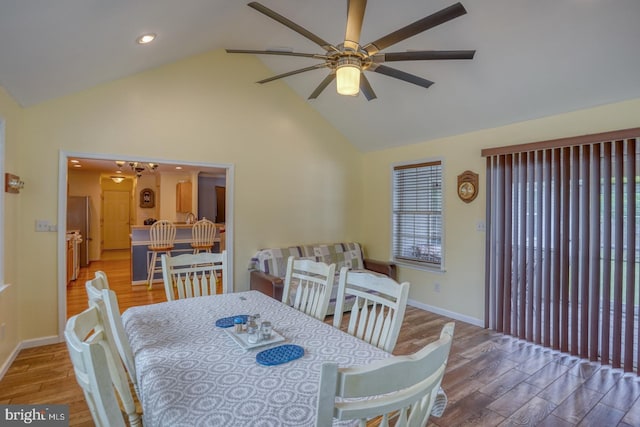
563, 245
417, 213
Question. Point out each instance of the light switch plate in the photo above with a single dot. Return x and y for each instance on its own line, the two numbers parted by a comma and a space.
42, 225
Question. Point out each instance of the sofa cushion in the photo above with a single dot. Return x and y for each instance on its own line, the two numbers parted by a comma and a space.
341, 254
274, 260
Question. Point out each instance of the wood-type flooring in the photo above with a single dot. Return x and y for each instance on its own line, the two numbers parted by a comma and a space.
491, 379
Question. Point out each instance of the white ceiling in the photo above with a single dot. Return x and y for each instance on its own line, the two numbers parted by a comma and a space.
533, 59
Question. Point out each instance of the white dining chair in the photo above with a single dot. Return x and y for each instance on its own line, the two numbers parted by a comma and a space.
309, 283
106, 301
193, 275
103, 278
378, 308
98, 371
401, 387
95, 286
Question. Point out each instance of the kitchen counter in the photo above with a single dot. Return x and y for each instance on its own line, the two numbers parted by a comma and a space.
141, 256
178, 225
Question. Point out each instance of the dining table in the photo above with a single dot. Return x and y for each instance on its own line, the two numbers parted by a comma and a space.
191, 372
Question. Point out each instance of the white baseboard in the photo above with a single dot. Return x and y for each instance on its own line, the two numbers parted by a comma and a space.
37, 342
447, 313
5, 367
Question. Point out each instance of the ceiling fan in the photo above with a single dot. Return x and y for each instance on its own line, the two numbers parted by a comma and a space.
348, 60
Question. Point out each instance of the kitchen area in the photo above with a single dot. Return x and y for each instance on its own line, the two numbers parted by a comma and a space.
78, 232
112, 213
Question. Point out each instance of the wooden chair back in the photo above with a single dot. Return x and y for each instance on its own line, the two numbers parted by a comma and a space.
378, 310
401, 387
203, 235
194, 275
162, 234
313, 282
98, 371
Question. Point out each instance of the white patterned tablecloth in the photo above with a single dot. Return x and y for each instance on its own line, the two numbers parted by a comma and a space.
191, 373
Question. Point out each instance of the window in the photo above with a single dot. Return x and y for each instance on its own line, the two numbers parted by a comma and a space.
417, 214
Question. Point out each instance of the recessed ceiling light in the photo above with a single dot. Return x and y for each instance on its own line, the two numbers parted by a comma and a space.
75, 161
146, 38
178, 167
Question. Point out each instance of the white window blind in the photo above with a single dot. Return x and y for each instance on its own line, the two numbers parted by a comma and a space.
417, 214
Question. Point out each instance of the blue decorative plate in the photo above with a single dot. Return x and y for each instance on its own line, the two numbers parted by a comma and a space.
281, 354
227, 322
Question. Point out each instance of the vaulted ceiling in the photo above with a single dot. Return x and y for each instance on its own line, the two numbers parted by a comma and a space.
533, 58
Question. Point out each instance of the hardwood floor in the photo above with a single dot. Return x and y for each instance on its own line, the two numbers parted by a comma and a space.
491, 379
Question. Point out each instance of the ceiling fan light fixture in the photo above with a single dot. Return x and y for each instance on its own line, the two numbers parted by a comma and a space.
348, 76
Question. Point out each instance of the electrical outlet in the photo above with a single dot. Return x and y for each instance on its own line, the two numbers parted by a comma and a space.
481, 226
436, 287
42, 225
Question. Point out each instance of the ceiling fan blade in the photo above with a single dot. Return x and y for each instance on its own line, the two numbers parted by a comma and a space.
291, 73
322, 86
424, 55
355, 16
395, 73
366, 89
278, 52
417, 27
292, 25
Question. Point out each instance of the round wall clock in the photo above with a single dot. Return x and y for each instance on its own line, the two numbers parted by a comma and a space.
467, 186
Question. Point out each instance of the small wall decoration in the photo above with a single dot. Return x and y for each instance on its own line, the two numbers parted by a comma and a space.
12, 183
147, 198
467, 186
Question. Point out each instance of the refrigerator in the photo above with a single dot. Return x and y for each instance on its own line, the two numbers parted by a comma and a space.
78, 218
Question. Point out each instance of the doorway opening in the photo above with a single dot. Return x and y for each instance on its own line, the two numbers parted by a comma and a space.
106, 240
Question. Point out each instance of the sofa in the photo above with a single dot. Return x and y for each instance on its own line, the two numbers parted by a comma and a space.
269, 266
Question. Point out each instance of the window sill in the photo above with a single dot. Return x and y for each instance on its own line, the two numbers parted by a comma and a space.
418, 266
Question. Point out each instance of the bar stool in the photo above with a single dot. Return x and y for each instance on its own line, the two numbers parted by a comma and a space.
162, 235
203, 235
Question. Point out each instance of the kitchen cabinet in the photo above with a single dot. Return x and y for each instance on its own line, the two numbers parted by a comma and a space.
183, 197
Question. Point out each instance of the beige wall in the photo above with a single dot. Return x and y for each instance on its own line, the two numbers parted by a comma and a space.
462, 284
10, 113
296, 178
146, 181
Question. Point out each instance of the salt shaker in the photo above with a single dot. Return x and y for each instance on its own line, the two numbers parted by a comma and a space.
265, 330
238, 323
252, 332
